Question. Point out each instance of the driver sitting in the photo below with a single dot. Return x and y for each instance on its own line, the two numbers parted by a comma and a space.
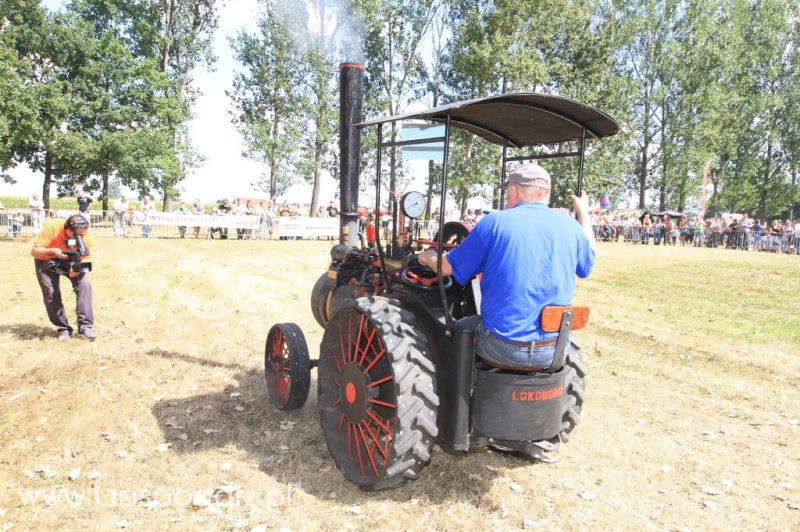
529, 255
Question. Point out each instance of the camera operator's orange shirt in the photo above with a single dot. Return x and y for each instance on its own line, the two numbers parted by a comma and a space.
54, 235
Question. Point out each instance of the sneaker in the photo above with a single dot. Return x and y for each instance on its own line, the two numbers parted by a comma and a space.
64, 335
88, 333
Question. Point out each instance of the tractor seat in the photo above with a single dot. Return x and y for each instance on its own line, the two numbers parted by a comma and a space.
560, 319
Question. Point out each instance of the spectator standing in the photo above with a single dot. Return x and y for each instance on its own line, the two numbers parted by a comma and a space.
250, 210
333, 212
183, 211
239, 210
698, 231
285, 209
147, 208
36, 206
16, 224
646, 225
757, 230
119, 208
796, 239
224, 209
267, 223
84, 202
197, 210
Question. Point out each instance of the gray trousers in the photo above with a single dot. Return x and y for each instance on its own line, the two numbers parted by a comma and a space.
51, 293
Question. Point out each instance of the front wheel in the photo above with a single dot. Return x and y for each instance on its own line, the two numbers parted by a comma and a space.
377, 393
286, 366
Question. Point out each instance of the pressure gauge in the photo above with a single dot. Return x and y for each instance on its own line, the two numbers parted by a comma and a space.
413, 204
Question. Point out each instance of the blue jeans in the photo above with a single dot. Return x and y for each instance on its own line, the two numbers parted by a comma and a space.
497, 350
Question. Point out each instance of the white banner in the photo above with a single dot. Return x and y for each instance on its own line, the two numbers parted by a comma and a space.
196, 220
308, 227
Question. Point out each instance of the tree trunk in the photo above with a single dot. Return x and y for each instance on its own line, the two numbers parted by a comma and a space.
105, 196
763, 202
645, 148
48, 178
273, 160
794, 192
317, 177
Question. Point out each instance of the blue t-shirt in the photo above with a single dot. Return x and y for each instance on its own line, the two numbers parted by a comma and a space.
529, 256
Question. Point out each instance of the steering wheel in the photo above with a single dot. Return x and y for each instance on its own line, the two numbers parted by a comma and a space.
452, 236
453, 233
423, 278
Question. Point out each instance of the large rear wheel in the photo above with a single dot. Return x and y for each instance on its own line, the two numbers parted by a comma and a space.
377, 393
575, 387
286, 366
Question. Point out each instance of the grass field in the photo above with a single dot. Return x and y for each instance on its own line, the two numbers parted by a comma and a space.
691, 423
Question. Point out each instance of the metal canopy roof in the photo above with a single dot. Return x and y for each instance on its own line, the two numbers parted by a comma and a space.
524, 119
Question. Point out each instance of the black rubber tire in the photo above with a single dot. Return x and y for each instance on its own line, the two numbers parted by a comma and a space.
403, 384
319, 299
287, 369
575, 386
338, 298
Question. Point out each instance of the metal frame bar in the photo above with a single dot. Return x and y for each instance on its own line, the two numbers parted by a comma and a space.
401, 143
580, 162
503, 175
378, 211
442, 207
545, 156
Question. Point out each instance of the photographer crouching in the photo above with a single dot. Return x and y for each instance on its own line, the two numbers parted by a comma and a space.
60, 249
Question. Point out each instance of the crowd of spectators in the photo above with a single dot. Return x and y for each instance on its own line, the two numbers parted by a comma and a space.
739, 231
730, 231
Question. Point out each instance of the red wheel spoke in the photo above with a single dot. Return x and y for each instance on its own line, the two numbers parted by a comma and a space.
374, 360
358, 338
379, 381
358, 449
341, 346
384, 427
381, 403
369, 454
335, 382
336, 359
349, 336
377, 443
337, 403
366, 347
341, 422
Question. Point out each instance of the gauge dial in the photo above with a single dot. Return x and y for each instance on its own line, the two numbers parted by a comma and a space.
413, 204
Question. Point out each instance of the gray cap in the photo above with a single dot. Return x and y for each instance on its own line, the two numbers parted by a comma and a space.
529, 175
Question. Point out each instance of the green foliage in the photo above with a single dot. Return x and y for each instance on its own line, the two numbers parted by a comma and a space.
269, 100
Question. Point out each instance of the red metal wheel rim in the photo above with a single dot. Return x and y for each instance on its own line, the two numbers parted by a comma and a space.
367, 441
280, 364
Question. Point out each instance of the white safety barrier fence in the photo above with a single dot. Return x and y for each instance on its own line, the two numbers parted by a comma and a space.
21, 223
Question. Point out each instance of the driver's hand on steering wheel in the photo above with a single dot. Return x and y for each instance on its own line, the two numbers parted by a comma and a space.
428, 258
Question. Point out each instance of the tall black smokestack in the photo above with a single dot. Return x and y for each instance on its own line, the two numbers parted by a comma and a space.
351, 91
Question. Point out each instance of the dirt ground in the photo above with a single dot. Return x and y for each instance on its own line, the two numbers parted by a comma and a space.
691, 423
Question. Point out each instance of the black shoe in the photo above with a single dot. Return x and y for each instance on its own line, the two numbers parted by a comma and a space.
88, 333
64, 335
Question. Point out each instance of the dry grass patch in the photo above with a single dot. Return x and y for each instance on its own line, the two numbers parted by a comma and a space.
691, 421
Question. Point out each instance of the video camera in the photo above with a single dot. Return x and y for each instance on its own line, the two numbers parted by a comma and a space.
75, 252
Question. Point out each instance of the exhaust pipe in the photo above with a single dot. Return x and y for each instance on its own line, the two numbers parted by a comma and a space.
351, 95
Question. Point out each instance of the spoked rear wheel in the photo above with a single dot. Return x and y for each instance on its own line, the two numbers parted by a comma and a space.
377, 393
286, 366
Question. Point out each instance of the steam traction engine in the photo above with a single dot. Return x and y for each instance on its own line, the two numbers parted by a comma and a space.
396, 373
